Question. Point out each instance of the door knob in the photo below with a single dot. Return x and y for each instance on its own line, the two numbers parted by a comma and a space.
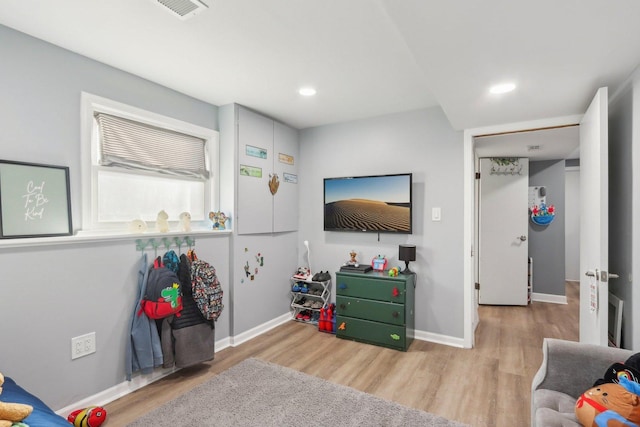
522, 238
605, 276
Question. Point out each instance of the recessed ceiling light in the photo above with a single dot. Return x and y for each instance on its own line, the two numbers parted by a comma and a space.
502, 88
307, 91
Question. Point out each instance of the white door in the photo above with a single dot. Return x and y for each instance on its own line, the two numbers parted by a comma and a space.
503, 231
594, 221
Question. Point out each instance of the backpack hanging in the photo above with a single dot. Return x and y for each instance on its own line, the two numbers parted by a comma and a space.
163, 296
206, 288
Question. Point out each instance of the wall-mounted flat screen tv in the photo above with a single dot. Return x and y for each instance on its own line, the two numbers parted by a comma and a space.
380, 203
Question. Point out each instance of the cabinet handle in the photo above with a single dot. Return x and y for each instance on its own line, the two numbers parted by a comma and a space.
395, 292
342, 286
342, 306
395, 314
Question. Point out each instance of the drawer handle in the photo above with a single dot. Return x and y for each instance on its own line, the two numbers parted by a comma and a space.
395, 292
395, 314
342, 286
395, 337
342, 326
342, 306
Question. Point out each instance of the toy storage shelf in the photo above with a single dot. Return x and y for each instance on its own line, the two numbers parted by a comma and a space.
307, 298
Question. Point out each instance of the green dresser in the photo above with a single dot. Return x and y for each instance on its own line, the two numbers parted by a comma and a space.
375, 308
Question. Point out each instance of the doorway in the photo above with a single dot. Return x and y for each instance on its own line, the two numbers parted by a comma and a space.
498, 142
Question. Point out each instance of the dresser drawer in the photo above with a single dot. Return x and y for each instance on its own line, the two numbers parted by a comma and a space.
379, 311
371, 288
383, 334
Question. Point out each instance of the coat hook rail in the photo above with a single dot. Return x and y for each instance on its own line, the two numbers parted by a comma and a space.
153, 243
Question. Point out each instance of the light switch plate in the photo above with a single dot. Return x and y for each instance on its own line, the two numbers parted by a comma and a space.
435, 214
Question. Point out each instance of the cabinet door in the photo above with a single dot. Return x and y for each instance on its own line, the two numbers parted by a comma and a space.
255, 205
285, 164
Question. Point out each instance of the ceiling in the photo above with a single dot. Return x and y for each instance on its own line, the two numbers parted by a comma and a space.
365, 57
542, 144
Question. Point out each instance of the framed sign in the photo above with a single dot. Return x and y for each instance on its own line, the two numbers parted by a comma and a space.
34, 200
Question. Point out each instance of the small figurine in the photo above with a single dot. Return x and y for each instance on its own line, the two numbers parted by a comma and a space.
353, 260
162, 222
185, 222
218, 219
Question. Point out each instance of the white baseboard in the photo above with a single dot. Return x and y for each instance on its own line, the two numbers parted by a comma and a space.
117, 391
260, 329
554, 299
139, 381
439, 339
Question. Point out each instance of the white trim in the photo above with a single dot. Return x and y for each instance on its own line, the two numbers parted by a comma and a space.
439, 339
553, 299
138, 381
117, 391
468, 211
86, 237
572, 169
260, 329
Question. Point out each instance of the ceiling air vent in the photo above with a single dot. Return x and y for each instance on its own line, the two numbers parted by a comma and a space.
183, 9
534, 147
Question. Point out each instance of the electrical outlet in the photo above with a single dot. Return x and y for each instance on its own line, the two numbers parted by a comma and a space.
83, 345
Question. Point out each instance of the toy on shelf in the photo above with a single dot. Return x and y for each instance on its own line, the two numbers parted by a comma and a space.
137, 226
352, 261
394, 272
185, 222
162, 222
218, 220
379, 263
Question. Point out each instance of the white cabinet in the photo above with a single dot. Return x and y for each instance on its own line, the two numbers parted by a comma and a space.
267, 158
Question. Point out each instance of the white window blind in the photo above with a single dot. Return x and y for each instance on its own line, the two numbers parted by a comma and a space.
137, 145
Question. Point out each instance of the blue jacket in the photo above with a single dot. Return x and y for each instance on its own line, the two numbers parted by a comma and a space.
144, 351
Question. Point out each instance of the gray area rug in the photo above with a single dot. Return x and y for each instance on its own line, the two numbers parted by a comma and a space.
257, 393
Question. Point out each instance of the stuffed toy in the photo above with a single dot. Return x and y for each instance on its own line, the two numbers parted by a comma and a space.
93, 416
185, 222
137, 226
610, 405
162, 222
12, 413
630, 370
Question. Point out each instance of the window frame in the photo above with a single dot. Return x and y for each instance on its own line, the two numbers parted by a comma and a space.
89, 152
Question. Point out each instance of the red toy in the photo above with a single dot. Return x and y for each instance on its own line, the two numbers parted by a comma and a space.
93, 416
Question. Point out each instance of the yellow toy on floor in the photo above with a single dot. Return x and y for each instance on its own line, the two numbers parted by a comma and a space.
11, 413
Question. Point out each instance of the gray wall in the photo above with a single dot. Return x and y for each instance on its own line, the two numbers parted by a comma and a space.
546, 243
421, 142
55, 292
621, 196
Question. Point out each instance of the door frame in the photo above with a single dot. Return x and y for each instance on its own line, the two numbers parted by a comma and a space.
470, 213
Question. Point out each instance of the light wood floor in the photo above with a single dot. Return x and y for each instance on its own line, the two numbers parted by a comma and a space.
485, 386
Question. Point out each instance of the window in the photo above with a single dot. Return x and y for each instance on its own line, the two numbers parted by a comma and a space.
137, 163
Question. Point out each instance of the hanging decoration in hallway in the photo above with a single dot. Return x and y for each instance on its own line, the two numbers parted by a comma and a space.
541, 213
505, 166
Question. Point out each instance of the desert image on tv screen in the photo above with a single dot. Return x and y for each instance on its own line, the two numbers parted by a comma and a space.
380, 203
